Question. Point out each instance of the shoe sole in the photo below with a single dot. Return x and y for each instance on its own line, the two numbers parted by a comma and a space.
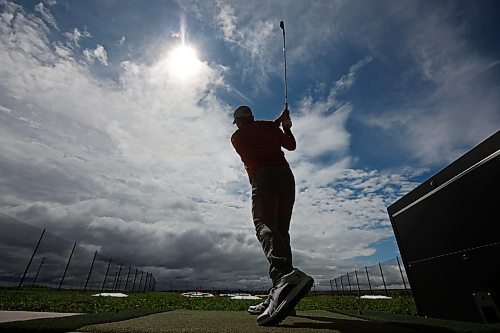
255, 312
291, 314
285, 307
258, 313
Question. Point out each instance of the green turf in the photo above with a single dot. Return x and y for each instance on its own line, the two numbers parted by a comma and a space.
399, 304
400, 310
76, 301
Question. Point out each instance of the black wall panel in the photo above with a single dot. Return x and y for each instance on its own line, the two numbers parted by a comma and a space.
448, 233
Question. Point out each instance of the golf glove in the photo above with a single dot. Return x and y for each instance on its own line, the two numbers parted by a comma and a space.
287, 123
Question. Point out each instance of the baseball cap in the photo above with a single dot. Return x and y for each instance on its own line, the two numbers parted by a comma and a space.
242, 112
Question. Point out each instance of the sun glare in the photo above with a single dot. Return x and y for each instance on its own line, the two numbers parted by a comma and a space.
183, 62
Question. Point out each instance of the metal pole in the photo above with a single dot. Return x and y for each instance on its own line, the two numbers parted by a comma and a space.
383, 280
336, 286
349, 282
67, 265
331, 286
105, 275
90, 272
357, 281
342, 284
38, 271
140, 281
145, 282
114, 281
368, 277
150, 285
135, 277
31, 259
401, 271
118, 279
128, 275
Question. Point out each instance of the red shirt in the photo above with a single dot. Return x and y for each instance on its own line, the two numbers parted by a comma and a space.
259, 145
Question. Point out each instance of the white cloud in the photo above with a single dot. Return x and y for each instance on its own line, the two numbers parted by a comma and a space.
99, 54
4, 109
47, 15
347, 81
320, 135
63, 51
228, 20
321, 124
74, 37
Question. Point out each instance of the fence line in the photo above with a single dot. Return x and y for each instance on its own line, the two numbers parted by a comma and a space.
59, 263
377, 278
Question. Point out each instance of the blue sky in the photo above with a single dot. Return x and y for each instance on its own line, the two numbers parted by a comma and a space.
109, 139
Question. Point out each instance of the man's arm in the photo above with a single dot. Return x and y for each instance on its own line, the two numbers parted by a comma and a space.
288, 140
237, 144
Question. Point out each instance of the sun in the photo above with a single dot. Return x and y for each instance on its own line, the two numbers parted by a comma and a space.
183, 62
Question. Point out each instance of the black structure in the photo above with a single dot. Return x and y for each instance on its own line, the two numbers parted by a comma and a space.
448, 233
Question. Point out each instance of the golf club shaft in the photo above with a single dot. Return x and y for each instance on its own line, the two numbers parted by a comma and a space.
282, 26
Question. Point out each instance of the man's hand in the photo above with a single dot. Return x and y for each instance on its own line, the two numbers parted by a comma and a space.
287, 124
284, 120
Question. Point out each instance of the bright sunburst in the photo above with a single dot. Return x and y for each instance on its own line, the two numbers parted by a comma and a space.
183, 62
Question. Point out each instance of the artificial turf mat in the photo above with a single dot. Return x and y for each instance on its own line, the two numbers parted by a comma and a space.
72, 323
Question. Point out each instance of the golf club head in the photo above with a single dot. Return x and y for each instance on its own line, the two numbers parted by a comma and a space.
282, 25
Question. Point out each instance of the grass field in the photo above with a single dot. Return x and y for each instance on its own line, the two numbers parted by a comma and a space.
77, 301
382, 315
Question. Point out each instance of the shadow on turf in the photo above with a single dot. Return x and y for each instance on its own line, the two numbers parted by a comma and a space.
354, 326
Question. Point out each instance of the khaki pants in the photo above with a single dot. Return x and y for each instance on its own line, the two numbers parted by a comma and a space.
273, 196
